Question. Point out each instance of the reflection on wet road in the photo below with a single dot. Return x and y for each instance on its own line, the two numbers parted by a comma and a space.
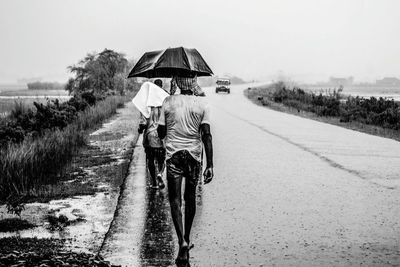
159, 240
157, 247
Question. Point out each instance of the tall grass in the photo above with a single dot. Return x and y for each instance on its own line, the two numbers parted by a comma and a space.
38, 161
98, 113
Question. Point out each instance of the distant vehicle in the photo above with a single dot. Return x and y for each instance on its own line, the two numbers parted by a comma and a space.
223, 86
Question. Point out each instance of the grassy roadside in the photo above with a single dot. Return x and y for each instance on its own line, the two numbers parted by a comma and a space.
102, 160
262, 96
27, 166
101, 166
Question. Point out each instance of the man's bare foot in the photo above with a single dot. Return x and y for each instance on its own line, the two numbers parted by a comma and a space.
183, 254
155, 186
190, 244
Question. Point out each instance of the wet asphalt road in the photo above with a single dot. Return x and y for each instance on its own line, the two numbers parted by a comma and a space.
287, 192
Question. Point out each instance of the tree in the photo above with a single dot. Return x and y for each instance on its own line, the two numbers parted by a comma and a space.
100, 73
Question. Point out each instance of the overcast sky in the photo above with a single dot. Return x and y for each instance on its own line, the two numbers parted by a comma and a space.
307, 39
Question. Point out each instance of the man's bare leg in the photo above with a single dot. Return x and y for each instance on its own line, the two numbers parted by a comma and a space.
190, 208
152, 169
160, 166
175, 201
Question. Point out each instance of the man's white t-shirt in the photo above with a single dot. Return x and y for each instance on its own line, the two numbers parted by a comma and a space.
182, 115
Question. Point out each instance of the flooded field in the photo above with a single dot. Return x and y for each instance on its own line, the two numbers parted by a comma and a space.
362, 91
13, 87
33, 93
9, 98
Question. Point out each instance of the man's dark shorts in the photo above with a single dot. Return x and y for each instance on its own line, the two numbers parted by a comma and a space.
155, 152
183, 165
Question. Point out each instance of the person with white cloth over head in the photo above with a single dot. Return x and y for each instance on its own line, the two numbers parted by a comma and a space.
148, 101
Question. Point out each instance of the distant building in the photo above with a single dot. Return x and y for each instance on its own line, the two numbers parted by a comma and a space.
335, 81
388, 81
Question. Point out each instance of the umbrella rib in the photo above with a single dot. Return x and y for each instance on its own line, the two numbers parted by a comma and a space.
156, 63
187, 59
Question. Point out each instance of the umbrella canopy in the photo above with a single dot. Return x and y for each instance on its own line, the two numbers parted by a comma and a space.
179, 61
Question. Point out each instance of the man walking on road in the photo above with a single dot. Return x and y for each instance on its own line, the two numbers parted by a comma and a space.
185, 124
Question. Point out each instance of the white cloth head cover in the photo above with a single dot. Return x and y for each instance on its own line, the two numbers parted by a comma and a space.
149, 95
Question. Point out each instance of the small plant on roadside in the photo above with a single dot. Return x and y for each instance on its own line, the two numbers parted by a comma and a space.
15, 204
57, 223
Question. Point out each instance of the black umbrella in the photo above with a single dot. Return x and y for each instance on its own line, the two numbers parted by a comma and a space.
179, 61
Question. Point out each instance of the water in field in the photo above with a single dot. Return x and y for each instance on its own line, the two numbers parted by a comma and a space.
14, 87
362, 91
16, 97
27, 97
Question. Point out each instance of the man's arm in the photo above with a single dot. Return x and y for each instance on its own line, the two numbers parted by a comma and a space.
206, 137
162, 128
142, 124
